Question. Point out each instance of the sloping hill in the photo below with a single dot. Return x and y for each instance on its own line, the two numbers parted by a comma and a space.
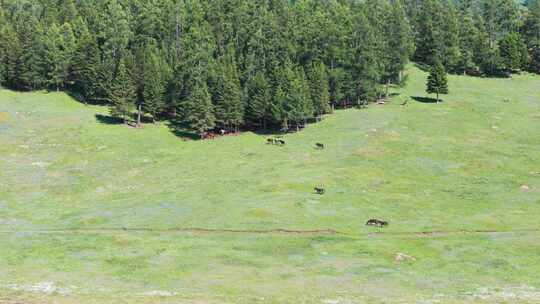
96, 212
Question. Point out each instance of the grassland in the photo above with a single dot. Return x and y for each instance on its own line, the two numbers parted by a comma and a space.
76, 196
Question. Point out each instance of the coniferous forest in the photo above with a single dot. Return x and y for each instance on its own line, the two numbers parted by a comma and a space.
260, 64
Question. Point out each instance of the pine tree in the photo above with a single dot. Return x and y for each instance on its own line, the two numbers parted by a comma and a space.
122, 93
229, 106
59, 46
451, 38
86, 66
153, 90
259, 99
468, 36
366, 68
319, 88
510, 48
427, 36
400, 45
531, 30
33, 67
199, 114
437, 82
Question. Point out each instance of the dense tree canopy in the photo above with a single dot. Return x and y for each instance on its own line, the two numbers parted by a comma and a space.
257, 63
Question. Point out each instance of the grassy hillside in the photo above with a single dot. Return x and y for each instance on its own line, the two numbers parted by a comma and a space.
92, 212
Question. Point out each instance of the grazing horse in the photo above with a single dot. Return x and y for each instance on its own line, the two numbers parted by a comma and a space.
319, 146
376, 223
319, 190
270, 141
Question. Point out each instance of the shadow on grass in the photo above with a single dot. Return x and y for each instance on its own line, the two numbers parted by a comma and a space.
425, 99
109, 120
181, 130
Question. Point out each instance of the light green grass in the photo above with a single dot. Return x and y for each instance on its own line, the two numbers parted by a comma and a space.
454, 166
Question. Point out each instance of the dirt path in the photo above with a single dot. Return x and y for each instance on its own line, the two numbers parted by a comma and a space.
316, 232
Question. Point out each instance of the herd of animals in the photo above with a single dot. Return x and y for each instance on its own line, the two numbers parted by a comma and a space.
320, 190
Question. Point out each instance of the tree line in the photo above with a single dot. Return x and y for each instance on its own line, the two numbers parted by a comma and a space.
259, 63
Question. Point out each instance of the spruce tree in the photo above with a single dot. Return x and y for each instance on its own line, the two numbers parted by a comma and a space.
510, 48
86, 66
400, 45
451, 38
122, 93
198, 109
531, 30
319, 89
153, 90
468, 37
437, 82
33, 66
259, 99
229, 106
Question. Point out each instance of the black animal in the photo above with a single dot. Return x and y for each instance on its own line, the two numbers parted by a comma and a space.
320, 191
376, 223
319, 146
281, 142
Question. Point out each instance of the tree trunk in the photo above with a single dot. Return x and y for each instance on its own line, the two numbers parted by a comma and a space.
139, 116
437, 96
387, 87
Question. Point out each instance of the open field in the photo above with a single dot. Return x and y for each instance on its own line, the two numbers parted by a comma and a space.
100, 213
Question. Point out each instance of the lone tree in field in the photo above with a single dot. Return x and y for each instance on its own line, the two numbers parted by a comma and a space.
437, 82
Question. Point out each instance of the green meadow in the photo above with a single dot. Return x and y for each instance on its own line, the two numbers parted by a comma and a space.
94, 212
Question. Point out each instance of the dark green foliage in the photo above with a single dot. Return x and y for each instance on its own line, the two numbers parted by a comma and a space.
531, 31
259, 100
122, 92
85, 67
437, 82
261, 63
229, 106
199, 114
510, 50
319, 90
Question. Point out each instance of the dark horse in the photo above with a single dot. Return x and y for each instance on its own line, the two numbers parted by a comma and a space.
376, 223
320, 191
319, 146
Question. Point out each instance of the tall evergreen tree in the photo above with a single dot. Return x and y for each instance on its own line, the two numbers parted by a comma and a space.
86, 63
122, 93
400, 43
153, 87
199, 114
259, 99
531, 30
437, 82
319, 88
229, 106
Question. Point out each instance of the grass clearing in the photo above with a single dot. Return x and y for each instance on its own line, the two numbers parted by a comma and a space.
459, 165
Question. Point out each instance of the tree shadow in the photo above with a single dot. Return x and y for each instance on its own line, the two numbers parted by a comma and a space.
109, 120
422, 66
77, 96
425, 99
269, 132
181, 130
